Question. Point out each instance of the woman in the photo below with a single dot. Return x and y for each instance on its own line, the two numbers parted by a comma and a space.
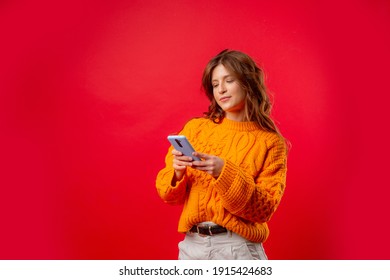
231, 194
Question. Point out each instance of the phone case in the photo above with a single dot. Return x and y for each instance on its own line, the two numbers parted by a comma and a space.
181, 143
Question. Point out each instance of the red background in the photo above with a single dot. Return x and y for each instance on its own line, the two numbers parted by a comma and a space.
89, 91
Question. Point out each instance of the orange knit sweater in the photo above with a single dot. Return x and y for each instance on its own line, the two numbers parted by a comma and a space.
248, 190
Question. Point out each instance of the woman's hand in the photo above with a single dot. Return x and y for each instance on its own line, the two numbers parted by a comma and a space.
180, 163
213, 165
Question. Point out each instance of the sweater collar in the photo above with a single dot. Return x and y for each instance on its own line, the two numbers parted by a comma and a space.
239, 126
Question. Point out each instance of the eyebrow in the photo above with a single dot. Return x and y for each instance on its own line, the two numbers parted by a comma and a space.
224, 77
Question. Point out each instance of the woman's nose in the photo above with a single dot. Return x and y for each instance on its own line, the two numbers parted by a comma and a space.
221, 88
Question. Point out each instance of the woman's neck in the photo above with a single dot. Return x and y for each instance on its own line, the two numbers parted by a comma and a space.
235, 116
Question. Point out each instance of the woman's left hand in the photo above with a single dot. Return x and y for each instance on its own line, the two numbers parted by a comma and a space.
213, 165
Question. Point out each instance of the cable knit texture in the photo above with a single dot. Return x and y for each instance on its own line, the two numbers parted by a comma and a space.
248, 190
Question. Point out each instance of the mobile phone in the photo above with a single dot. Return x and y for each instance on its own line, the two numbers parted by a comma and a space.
181, 143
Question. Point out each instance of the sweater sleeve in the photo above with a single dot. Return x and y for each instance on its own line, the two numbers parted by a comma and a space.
255, 199
172, 193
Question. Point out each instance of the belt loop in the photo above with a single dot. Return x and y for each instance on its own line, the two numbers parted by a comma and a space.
210, 230
197, 229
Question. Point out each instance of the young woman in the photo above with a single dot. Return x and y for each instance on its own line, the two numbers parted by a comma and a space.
231, 194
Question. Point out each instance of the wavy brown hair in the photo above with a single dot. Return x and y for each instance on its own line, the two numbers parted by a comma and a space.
251, 78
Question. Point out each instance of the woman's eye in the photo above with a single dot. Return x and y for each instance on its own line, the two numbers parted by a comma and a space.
229, 81
215, 85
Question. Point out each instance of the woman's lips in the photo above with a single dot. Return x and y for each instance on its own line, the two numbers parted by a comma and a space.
224, 98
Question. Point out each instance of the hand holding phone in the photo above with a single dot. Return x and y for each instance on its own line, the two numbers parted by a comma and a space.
181, 143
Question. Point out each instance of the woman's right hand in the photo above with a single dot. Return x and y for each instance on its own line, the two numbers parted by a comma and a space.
180, 163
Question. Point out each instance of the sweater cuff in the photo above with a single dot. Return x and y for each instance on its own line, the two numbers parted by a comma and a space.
173, 194
178, 182
226, 178
231, 185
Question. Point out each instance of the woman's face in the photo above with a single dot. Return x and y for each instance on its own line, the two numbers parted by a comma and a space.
228, 93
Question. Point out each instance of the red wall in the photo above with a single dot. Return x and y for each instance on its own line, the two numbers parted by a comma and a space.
90, 89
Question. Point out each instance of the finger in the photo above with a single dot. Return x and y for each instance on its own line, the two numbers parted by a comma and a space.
176, 153
182, 162
202, 155
184, 158
179, 167
198, 163
203, 168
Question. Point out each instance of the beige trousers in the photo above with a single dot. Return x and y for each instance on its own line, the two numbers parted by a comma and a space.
222, 246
